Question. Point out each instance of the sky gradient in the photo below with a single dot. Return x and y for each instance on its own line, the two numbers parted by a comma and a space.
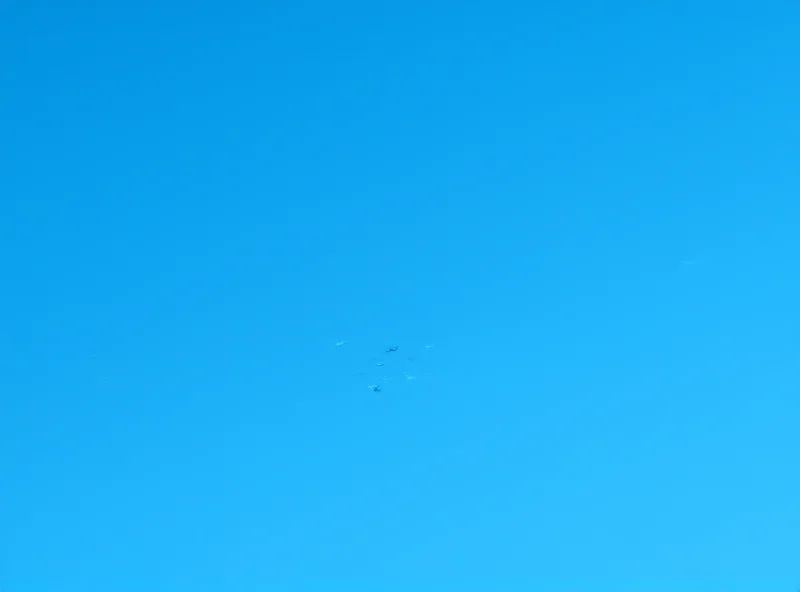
198, 200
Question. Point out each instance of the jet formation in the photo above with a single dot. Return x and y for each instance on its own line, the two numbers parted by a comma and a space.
385, 367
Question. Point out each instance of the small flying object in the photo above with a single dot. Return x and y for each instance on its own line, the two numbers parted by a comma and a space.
375, 388
340, 343
391, 349
428, 347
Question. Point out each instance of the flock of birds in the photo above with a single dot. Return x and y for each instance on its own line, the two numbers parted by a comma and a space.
391, 356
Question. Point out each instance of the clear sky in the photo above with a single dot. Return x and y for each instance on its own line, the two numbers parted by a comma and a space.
198, 200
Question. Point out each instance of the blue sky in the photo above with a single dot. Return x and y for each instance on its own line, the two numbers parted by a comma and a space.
199, 199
